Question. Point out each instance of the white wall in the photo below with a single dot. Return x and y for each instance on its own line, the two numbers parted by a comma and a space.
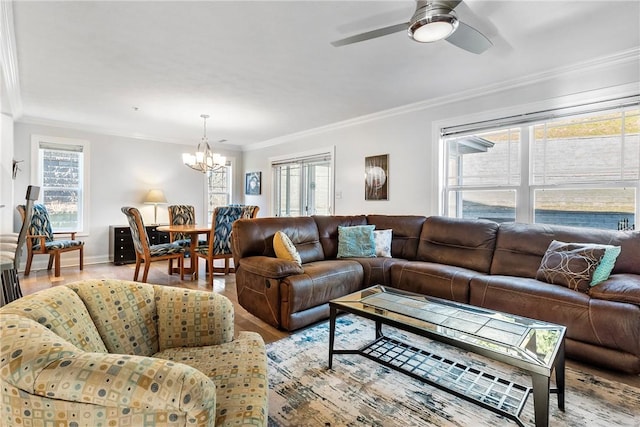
121, 172
410, 135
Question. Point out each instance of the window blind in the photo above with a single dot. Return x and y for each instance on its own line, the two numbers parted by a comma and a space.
540, 116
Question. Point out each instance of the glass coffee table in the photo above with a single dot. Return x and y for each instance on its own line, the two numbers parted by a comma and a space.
534, 346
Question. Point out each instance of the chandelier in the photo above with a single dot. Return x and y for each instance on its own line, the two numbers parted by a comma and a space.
204, 160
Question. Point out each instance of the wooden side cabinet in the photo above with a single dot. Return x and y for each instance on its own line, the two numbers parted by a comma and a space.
121, 250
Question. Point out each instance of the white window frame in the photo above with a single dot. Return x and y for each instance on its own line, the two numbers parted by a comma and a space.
36, 173
526, 190
273, 161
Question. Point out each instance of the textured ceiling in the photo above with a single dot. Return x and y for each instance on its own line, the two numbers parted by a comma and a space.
266, 69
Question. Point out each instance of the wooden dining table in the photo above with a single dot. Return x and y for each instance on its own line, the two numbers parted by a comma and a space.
193, 231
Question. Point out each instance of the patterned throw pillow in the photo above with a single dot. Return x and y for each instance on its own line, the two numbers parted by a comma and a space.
285, 249
570, 264
606, 265
382, 239
356, 241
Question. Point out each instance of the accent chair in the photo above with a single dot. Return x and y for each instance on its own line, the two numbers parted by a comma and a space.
219, 243
148, 253
182, 215
41, 239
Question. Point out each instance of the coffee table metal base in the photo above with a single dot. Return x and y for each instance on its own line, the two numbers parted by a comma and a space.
489, 391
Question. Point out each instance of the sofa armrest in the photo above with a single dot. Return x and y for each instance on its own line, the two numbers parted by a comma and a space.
117, 380
191, 318
270, 268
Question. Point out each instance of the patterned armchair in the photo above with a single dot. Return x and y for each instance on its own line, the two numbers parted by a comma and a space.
148, 253
136, 354
219, 245
41, 239
182, 215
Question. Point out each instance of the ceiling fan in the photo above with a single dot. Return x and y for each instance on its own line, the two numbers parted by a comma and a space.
432, 21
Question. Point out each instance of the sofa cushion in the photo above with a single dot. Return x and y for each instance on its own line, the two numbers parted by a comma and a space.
608, 261
254, 237
520, 247
285, 249
570, 264
406, 232
589, 320
458, 242
239, 371
356, 241
438, 280
61, 310
123, 312
377, 271
328, 230
382, 242
620, 288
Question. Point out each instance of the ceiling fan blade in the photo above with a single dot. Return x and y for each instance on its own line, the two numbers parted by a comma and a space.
371, 34
469, 39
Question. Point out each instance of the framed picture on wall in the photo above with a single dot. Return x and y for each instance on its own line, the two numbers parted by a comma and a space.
376, 177
252, 183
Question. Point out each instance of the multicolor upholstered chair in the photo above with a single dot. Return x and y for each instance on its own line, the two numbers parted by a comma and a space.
182, 215
219, 245
41, 239
148, 253
135, 354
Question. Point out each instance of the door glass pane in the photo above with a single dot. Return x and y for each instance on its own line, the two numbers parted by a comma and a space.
289, 181
318, 189
596, 208
498, 205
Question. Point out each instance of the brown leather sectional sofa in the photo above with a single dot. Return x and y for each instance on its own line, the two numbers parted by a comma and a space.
477, 262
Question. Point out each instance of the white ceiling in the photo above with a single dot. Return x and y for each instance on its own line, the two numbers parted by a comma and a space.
266, 69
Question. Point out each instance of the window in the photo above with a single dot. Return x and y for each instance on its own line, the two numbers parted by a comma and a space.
61, 166
303, 185
580, 169
218, 188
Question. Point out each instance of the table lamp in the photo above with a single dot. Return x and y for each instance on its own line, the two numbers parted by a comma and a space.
155, 197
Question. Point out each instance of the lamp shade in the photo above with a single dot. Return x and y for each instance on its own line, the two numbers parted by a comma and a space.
155, 197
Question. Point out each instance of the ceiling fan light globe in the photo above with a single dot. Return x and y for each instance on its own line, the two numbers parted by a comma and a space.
431, 23
434, 31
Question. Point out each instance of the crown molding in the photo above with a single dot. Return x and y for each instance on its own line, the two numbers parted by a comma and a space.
618, 58
10, 58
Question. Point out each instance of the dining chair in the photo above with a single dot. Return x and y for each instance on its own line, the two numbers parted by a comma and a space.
219, 243
148, 253
182, 215
41, 239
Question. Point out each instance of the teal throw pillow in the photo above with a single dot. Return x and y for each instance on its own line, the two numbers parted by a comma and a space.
606, 265
356, 241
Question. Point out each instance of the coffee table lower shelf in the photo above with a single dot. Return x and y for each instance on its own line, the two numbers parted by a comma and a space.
489, 391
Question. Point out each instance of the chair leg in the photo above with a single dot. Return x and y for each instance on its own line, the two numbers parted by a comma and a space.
210, 278
170, 270
57, 268
226, 266
181, 262
82, 257
27, 268
137, 270
50, 262
145, 273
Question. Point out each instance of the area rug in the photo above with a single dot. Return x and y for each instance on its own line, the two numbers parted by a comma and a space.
360, 392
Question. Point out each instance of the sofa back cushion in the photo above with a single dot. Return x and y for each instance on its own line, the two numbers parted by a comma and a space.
124, 313
520, 247
467, 243
406, 231
254, 237
64, 313
328, 230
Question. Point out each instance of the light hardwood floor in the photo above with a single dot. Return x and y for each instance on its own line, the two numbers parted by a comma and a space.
225, 285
